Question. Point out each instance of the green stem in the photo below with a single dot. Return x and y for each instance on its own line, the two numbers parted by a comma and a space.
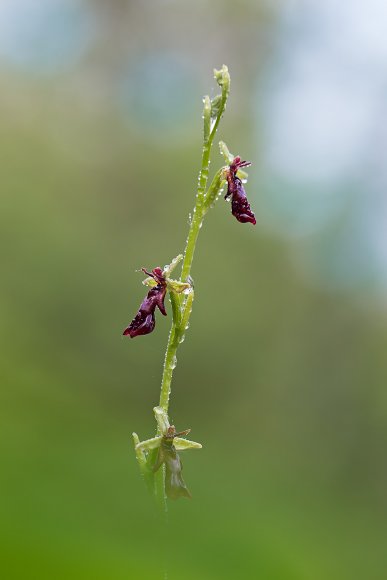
192, 238
160, 489
170, 354
181, 311
209, 134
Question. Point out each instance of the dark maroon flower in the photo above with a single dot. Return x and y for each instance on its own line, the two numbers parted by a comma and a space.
240, 207
175, 486
144, 321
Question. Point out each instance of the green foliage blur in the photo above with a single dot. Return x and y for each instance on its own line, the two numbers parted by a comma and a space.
283, 383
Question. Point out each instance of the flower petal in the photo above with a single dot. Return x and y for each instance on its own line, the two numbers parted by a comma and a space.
240, 207
141, 324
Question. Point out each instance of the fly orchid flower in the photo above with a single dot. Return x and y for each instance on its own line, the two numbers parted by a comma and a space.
144, 321
175, 486
167, 444
240, 207
159, 281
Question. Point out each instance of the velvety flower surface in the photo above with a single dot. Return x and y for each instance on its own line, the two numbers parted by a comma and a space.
175, 486
240, 207
144, 321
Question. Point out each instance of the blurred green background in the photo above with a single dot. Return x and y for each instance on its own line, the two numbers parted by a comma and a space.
283, 372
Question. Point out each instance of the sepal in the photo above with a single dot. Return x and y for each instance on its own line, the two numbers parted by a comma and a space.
139, 452
150, 282
148, 444
161, 419
224, 150
168, 268
183, 444
177, 286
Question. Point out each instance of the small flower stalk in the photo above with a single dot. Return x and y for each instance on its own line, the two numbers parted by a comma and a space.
158, 457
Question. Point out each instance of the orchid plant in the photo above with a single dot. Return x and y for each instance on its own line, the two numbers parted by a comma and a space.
158, 457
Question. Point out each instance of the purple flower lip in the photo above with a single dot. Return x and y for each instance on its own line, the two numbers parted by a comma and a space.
144, 321
240, 207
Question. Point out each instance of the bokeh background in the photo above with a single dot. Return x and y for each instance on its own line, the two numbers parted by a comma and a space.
283, 372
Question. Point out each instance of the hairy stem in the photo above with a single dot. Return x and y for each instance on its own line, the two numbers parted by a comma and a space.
182, 305
170, 354
209, 134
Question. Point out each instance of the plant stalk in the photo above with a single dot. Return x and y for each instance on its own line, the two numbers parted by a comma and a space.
182, 305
